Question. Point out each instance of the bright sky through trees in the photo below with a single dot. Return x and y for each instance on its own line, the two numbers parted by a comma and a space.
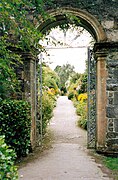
68, 46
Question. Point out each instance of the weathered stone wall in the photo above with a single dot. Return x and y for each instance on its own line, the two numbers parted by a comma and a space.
106, 12
112, 99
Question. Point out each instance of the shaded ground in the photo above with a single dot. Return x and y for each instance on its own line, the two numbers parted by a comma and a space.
65, 156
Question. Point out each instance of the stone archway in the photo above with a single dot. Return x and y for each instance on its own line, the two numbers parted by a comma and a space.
87, 20
104, 30
90, 23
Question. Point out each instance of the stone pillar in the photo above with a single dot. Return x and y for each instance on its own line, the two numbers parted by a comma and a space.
30, 90
101, 101
107, 97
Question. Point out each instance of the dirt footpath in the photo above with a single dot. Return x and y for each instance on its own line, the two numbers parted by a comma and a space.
68, 158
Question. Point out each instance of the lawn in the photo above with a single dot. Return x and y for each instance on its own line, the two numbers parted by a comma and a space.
112, 163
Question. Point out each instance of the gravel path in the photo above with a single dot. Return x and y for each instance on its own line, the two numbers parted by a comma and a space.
68, 158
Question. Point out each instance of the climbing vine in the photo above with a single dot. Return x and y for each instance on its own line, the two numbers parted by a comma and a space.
17, 32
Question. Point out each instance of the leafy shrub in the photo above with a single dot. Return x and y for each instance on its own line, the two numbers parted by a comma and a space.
83, 84
81, 110
7, 157
48, 103
50, 82
71, 95
82, 122
15, 124
50, 78
75, 103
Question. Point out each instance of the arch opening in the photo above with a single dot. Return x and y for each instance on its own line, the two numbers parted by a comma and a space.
87, 22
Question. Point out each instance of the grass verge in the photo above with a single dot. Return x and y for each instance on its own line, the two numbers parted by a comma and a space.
112, 164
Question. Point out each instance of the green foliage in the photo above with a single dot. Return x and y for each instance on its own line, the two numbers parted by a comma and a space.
81, 110
16, 25
77, 86
17, 33
75, 103
7, 157
15, 124
71, 95
111, 163
63, 90
82, 122
8, 80
74, 78
50, 78
69, 19
50, 81
48, 103
83, 85
77, 82
64, 72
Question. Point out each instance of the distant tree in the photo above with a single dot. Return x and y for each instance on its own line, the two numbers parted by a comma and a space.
64, 72
75, 77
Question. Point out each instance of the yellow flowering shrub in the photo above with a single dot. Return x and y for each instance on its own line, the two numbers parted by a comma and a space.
81, 110
82, 97
51, 91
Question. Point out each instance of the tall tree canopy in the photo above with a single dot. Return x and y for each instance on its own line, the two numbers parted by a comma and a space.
64, 72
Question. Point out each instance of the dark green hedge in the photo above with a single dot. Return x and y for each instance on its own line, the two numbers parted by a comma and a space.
15, 124
7, 158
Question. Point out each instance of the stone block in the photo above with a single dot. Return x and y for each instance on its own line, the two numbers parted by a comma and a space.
110, 129
111, 94
110, 124
116, 125
112, 142
112, 87
112, 81
113, 35
110, 101
112, 63
116, 74
115, 98
110, 112
112, 145
111, 135
116, 111
108, 24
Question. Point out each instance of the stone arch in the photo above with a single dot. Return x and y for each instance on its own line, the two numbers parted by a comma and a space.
88, 21
93, 26
107, 88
